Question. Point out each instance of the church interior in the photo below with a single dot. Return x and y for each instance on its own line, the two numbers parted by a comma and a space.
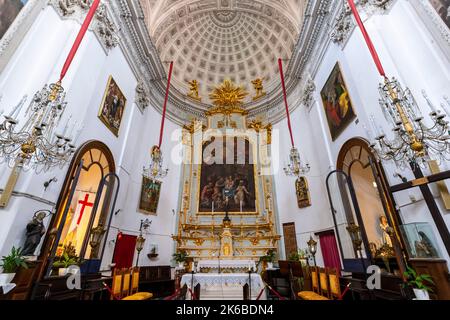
224, 150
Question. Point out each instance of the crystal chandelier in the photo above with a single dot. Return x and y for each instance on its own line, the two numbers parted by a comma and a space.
414, 141
155, 169
295, 166
35, 145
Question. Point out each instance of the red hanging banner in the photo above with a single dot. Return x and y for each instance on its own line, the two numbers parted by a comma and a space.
369, 42
80, 36
165, 105
280, 65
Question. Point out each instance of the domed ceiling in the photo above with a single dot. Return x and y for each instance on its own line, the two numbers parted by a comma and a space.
213, 40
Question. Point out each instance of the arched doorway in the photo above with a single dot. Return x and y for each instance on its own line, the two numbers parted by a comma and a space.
83, 205
376, 206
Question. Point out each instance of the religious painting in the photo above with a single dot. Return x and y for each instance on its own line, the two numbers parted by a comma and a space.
150, 192
337, 103
302, 191
9, 9
113, 107
442, 8
227, 183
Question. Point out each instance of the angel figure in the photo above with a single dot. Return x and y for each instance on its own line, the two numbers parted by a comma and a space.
258, 86
193, 90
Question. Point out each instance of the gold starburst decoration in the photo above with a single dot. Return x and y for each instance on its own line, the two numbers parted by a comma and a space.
228, 97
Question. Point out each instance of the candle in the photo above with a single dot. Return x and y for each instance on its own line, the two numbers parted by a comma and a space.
240, 205
66, 127
212, 207
430, 104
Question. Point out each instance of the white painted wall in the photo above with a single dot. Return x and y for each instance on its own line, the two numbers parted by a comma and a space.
408, 52
37, 61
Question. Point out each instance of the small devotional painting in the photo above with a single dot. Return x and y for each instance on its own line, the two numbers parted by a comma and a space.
9, 9
149, 199
113, 107
302, 191
337, 103
225, 185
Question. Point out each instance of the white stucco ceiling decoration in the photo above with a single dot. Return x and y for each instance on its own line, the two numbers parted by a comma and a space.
211, 40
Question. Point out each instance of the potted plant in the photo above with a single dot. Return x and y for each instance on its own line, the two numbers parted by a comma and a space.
269, 258
11, 263
419, 283
64, 263
180, 258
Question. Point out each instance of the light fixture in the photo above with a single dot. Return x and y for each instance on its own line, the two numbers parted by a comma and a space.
295, 167
155, 169
312, 247
140, 241
37, 144
96, 236
414, 142
355, 236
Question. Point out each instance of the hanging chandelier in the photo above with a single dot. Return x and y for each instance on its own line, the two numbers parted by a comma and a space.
295, 167
36, 144
155, 169
414, 141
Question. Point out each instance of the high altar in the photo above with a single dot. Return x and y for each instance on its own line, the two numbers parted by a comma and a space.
227, 204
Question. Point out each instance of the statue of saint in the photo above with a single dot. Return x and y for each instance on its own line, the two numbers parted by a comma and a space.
259, 88
193, 90
35, 231
386, 229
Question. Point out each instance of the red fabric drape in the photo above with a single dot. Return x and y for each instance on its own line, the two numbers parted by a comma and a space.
330, 251
80, 36
372, 49
124, 251
283, 85
165, 105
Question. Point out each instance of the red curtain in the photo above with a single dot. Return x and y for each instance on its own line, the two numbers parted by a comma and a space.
124, 251
330, 251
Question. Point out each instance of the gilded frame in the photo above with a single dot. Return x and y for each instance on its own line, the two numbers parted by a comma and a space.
100, 115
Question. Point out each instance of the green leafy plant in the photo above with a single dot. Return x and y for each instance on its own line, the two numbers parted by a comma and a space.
294, 256
12, 262
65, 261
418, 281
180, 256
269, 257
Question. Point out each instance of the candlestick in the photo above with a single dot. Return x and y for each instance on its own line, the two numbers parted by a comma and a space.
240, 204
430, 104
212, 207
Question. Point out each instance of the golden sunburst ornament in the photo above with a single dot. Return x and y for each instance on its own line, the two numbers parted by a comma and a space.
228, 95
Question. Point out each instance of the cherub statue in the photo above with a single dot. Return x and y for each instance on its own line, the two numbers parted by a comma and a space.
259, 88
193, 90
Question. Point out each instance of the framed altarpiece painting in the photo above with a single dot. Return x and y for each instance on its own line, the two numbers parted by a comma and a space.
149, 199
112, 108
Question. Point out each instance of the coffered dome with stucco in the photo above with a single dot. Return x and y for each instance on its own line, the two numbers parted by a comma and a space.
212, 40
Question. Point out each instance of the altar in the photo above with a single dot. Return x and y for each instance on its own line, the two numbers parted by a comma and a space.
225, 286
225, 265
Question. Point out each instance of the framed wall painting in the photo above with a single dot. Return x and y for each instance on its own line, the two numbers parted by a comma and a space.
112, 108
303, 194
149, 199
337, 103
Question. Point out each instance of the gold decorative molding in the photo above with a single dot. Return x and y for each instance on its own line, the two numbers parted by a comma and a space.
227, 99
259, 89
193, 90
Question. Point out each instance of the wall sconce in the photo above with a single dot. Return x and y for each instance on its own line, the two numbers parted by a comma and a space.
312, 247
96, 236
47, 183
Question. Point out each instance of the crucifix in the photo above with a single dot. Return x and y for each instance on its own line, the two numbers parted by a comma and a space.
84, 203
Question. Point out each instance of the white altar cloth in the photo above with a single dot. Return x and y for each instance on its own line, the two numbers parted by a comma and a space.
241, 265
224, 286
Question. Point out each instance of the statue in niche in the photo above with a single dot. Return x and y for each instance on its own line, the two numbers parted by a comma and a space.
193, 90
35, 231
259, 88
386, 230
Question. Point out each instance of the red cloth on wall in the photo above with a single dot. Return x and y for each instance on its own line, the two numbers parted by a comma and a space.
330, 251
124, 251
